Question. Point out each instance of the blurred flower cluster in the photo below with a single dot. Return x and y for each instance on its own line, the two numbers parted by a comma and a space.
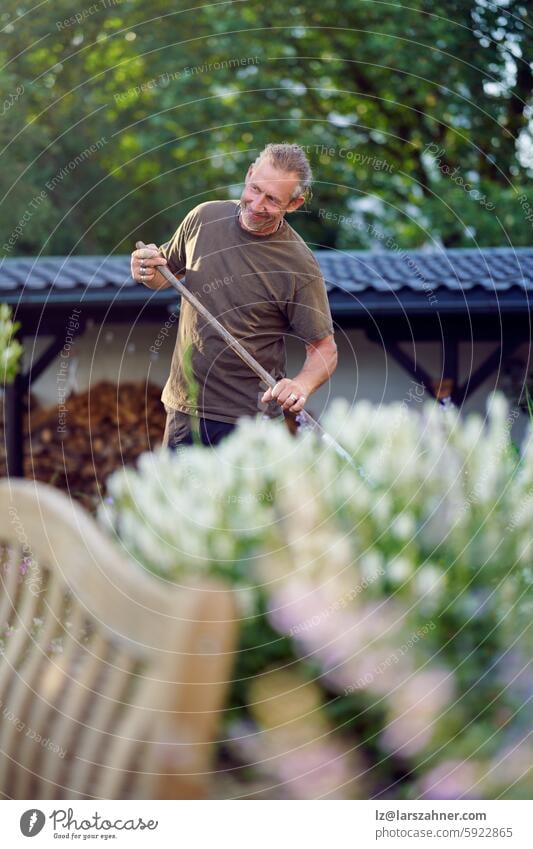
10, 348
385, 603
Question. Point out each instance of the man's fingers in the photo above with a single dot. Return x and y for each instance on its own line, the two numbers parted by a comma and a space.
288, 398
279, 390
298, 406
290, 402
292, 406
144, 261
149, 254
152, 262
287, 394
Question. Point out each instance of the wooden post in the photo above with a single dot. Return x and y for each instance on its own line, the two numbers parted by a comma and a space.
447, 385
14, 440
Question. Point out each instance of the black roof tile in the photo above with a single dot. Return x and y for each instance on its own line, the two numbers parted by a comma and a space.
450, 274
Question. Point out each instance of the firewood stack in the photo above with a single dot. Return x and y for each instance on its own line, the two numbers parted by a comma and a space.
101, 430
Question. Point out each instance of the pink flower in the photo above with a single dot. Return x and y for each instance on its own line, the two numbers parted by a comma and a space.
452, 779
415, 710
320, 768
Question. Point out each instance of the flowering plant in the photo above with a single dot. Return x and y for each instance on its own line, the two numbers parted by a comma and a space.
385, 606
10, 348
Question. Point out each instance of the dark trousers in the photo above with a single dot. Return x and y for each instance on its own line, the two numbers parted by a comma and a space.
179, 426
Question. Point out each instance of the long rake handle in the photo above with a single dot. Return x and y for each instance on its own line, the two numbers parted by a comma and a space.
303, 417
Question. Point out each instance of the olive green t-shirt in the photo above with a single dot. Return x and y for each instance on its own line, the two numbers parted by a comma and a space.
261, 288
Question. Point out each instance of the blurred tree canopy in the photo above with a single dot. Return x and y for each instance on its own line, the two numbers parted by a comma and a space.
119, 117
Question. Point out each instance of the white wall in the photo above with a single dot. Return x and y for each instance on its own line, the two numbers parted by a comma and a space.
117, 353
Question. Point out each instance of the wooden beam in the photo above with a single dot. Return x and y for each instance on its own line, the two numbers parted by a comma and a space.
417, 371
486, 368
446, 386
14, 440
48, 356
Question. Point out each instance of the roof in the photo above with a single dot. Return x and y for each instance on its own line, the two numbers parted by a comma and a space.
358, 282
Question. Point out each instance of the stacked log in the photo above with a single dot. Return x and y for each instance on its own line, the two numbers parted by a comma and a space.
94, 433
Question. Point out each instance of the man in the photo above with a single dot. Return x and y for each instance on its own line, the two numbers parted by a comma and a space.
257, 276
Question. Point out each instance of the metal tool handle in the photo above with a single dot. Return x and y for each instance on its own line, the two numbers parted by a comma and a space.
304, 418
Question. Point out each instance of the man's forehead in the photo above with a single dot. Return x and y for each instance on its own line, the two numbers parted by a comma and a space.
283, 180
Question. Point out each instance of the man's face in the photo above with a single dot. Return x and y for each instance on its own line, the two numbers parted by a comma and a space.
267, 197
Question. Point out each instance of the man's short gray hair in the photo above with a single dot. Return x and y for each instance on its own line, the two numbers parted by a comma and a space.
290, 158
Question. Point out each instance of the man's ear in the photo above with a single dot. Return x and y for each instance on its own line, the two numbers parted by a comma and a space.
295, 204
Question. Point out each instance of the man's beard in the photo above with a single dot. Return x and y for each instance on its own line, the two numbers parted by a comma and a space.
260, 223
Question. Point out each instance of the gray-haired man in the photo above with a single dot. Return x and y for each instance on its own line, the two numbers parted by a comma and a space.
259, 278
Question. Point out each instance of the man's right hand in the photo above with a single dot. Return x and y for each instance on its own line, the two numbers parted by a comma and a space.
144, 262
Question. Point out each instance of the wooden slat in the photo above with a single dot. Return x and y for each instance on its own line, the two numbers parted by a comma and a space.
195, 716
9, 588
69, 724
93, 746
16, 644
128, 732
23, 685
54, 675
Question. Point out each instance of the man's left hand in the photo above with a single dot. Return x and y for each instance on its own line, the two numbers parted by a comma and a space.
288, 393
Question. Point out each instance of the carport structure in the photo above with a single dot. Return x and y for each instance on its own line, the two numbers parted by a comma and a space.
399, 298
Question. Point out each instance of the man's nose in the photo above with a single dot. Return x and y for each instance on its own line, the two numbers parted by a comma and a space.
258, 203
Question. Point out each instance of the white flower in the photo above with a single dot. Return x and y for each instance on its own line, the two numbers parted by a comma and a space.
381, 510
403, 527
399, 569
433, 482
429, 581
371, 565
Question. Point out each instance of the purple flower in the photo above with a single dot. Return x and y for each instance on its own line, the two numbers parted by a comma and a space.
452, 779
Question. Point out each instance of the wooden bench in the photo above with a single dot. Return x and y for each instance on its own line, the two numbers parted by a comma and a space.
112, 681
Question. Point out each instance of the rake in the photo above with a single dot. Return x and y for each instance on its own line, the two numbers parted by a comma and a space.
304, 419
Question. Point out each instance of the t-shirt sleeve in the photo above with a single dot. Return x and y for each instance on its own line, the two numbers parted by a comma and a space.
175, 250
308, 311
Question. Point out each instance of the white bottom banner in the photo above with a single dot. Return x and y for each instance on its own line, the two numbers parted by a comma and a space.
264, 824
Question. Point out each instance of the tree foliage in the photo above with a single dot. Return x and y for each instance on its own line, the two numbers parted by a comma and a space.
416, 118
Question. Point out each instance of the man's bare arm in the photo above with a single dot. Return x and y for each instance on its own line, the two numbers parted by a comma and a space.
320, 363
